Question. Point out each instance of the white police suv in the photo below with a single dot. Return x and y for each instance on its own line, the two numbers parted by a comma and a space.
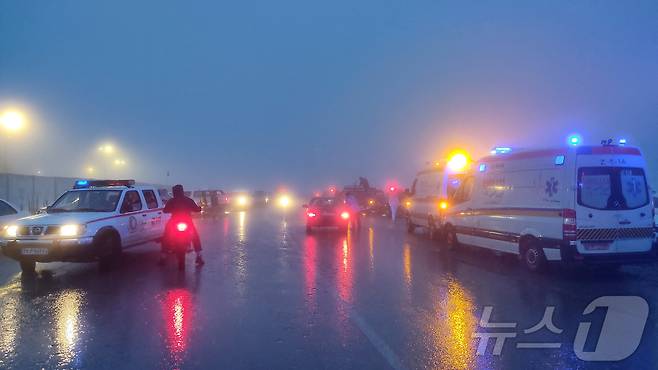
94, 221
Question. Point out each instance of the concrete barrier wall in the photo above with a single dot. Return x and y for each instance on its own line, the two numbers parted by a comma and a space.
29, 193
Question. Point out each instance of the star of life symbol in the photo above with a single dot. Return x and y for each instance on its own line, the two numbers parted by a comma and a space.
551, 187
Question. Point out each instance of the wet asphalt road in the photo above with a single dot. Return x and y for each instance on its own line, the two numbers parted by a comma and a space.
271, 297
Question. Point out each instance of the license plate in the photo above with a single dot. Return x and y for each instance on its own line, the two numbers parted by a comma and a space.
34, 251
602, 246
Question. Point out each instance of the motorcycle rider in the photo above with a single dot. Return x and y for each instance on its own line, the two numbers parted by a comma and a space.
181, 207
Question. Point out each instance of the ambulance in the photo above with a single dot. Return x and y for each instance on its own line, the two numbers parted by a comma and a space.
574, 204
430, 192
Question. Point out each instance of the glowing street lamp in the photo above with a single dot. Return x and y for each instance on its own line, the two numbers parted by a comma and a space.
12, 121
106, 149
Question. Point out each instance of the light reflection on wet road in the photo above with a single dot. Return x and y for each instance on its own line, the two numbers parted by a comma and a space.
271, 296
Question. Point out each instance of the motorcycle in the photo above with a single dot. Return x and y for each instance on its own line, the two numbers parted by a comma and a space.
178, 239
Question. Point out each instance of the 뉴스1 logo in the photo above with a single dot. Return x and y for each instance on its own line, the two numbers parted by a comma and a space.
620, 335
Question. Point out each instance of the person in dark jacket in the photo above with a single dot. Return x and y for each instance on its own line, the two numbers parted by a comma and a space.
181, 208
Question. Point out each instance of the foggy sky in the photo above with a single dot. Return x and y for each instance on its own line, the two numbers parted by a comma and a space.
306, 94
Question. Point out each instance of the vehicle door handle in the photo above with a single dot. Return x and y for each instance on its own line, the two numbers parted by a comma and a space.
625, 222
144, 215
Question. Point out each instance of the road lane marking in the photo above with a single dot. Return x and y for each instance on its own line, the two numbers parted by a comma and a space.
366, 329
374, 339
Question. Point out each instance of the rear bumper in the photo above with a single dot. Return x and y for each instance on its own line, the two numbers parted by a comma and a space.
327, 221
65, 250
570, 255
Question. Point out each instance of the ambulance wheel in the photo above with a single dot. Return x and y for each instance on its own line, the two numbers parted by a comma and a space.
432, 230
28, 267
451, 238
410, 226
534, 259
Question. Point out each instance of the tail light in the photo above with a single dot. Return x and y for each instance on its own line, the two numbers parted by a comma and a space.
311, 214
569, 224
181, 226
345, 215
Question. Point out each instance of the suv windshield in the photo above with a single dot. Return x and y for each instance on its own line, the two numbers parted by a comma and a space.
87, 201
612, 188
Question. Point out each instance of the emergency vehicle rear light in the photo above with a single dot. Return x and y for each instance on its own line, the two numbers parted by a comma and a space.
569, 224
483, 167
345, 215
181, 226
311, 214
559, 160
81, 184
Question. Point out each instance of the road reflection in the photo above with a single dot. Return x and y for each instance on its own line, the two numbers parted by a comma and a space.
9, 323
68, 325
371, 249
240, 255
406, 264
345, 272
310, 271
454, 327
178, 314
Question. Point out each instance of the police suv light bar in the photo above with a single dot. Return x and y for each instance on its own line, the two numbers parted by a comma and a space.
82, 184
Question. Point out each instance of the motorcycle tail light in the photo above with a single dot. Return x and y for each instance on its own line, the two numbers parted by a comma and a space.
345, 215
181, 226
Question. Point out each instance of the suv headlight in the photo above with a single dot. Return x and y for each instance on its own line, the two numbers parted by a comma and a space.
11, 231
71, 230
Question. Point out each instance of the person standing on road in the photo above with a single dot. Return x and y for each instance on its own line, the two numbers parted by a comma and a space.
355, 209
182, 207
393, 202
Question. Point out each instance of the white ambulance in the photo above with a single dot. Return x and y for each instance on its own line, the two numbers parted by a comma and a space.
587, 204
429, 198
94, 221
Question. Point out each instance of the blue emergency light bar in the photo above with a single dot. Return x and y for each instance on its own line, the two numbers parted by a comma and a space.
83, 184
501, 150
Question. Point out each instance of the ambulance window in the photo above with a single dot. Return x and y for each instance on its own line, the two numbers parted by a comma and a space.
609, 188
6, 209
633, 187
131, 202
151, 199
463, 193
468, 189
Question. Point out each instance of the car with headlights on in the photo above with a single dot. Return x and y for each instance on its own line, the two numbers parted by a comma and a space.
94, 221
326, 212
